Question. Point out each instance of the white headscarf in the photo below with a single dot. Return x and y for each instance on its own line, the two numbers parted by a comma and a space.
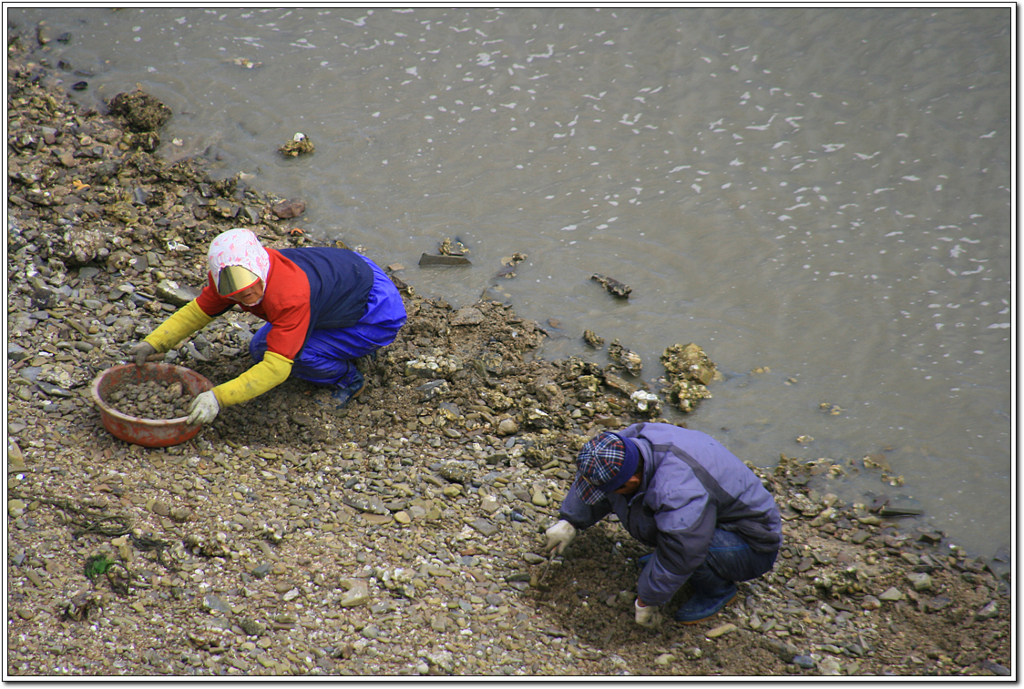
238, 247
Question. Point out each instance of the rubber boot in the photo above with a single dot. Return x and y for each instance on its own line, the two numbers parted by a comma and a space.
345, 394
711, 593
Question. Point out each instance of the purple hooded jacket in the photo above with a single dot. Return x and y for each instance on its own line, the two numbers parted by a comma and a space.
691, 485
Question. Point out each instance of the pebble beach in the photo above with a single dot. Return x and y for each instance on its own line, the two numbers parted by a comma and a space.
400, 536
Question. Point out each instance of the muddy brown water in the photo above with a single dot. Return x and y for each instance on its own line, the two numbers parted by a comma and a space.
821, 195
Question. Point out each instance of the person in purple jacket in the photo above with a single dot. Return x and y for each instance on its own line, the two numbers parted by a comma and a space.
705, 513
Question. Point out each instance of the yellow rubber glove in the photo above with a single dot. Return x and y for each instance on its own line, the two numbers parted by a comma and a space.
272, 371
182, 323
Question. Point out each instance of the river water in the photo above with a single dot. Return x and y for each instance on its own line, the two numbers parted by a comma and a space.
824, 194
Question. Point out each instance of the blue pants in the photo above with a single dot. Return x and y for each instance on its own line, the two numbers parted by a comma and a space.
729, 559
326, 357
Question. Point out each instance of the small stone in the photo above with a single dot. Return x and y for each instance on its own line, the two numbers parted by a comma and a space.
289, 209
990, 610
910, 558
721, 630
665, 659
920, 581
806, 662
891, 594
870, 603
357, 594
829, 666
995, 668
215, 604
507, 427
484, 526
15, 459
180, 514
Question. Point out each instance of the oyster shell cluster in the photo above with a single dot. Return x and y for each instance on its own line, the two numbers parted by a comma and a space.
613, 286
688, 370
627, 358
436, 365
299, 145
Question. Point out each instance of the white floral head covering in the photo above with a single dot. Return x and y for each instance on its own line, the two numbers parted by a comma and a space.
238, 247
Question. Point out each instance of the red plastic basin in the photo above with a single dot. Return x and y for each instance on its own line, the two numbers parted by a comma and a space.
147, 432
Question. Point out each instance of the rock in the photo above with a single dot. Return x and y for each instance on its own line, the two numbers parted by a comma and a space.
215, 604
869, 602
987, 612
291, 208
173, 293
467, 315
484, 526
995, 668
358, 593
891, 594
432, 260
830, 666
920, 581
506, 427
720, 630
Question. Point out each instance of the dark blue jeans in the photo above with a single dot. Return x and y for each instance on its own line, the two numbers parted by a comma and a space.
729, 559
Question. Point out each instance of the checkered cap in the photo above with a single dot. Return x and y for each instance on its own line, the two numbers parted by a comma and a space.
604, 464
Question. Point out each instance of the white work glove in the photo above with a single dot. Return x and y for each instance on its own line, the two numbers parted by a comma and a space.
648, 615
560, 535
141, 351
204, 408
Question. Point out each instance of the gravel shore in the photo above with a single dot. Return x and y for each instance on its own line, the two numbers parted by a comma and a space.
400, 536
